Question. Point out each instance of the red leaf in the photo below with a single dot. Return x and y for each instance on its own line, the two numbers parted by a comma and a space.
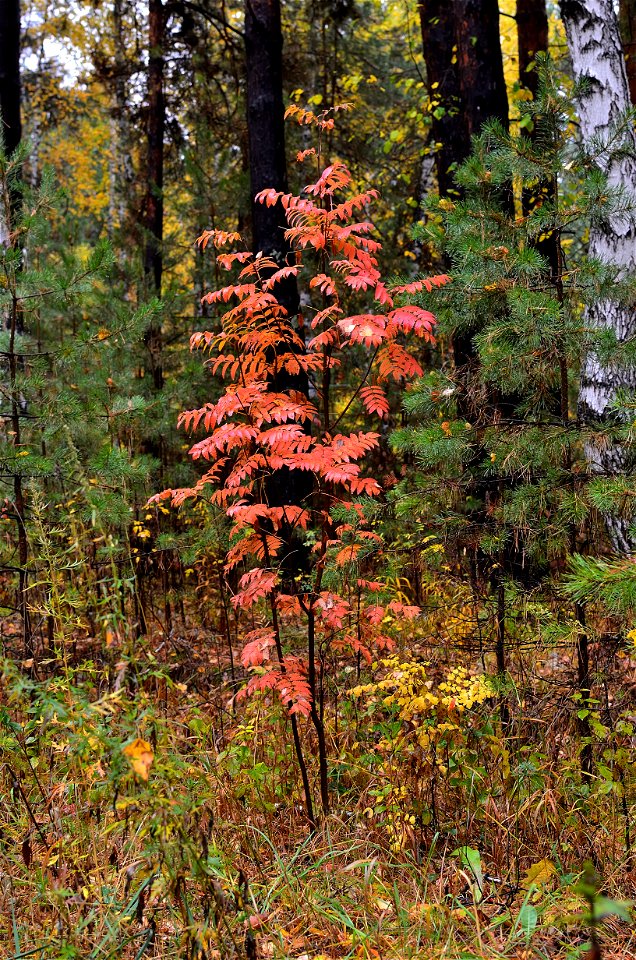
375, 401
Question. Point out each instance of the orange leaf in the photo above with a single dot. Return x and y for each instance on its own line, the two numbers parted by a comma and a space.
140, 756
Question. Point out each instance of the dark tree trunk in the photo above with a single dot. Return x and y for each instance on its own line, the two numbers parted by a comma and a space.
123, 173
532, 36
153, 205
268, 168
449, 121
266, 133
480, 64
627, 20
462, 51
11, 134
10, 73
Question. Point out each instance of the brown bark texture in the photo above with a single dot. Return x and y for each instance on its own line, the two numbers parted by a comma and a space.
464, 66
153, 202
449, 121
532, 37
266, 133
268, 168
10, 73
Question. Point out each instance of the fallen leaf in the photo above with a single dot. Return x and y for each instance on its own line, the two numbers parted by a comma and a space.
538, 874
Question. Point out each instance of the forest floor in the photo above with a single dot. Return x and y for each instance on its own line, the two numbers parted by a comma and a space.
149, 812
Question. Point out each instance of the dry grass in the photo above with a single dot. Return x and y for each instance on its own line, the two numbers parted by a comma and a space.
211, 857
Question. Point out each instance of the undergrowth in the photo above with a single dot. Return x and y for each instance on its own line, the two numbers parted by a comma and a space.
147, 812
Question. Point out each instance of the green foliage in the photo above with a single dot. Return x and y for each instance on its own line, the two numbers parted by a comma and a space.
150, 810
500, 425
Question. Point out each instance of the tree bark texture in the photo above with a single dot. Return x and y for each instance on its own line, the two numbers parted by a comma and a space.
123, 173
153, 204
627, 21
449, 120
464, 68
10, 73
268, 168
480, 63
532, 37
11, 124
594, 41
266, 133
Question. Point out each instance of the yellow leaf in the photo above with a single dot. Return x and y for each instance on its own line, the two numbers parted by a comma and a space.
140, 756
538, 874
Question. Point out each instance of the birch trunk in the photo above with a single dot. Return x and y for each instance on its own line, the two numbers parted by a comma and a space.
595, 47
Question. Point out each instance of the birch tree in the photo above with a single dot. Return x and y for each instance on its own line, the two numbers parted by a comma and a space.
594, 42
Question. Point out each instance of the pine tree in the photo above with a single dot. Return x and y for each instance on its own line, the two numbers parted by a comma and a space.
503, 479
66, 463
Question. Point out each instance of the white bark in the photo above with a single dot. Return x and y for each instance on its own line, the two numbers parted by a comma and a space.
594, 42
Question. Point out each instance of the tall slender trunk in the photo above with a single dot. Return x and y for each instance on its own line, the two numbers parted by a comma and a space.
10, 119
268, 168
466, 85
480, 63
153, 206
595, 47
10, 74
10, 116
532, 37
464, 67
124, 173
448, 115
266, 133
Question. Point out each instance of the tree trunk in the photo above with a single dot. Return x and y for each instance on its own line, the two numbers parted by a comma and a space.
268, 168
532, 37
464, 67
449, 119
153, 206
124, 174
266, 133
10, 73
480, 63
595, 48
11, 134
627, 15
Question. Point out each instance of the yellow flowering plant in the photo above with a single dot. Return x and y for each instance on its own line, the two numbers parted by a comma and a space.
430, 740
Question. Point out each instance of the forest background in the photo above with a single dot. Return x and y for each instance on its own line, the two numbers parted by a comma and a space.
318, 637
